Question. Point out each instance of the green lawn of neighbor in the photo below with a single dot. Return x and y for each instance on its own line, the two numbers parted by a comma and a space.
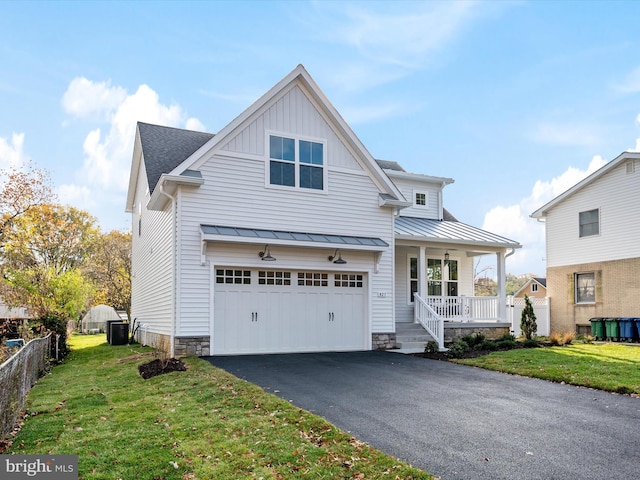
605, 366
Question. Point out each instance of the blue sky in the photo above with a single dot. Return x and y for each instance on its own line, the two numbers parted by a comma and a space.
516, 101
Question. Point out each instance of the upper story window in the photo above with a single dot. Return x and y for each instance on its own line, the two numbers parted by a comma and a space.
421, 199
589, 223
534, 287
296, 163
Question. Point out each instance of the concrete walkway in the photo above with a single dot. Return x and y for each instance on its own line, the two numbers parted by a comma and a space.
458, 422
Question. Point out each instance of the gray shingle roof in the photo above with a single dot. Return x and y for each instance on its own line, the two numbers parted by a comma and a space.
164, 148
390, 165
448, 231
541, 281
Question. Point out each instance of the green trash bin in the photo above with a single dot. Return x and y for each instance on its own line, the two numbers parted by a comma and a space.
612, 328
597, 328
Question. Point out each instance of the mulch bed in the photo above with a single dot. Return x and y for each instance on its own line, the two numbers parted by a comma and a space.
158, 367
444, 356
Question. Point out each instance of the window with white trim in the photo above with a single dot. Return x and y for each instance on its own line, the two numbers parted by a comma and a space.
295, 162
534, 287
420, 199
589, 222
585, 287
413, 277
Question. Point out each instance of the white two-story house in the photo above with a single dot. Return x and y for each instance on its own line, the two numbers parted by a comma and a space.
593, 251
281, 233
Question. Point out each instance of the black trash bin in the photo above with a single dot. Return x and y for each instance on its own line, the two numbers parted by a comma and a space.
108, 327
119, 333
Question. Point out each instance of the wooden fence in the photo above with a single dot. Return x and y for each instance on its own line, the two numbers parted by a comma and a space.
17, 375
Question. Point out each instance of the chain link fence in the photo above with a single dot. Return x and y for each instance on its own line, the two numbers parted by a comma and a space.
17, 375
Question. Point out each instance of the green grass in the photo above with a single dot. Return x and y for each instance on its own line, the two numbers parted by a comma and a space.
607, 366
199, 424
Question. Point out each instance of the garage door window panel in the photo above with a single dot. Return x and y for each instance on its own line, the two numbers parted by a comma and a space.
266, 277
313, 279
235, 277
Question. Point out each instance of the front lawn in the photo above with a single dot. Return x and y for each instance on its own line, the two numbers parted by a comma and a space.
605, 366
200, 424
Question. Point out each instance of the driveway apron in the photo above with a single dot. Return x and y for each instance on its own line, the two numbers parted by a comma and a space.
454, 421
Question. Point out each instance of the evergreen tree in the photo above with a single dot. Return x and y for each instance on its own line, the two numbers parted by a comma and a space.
528, 319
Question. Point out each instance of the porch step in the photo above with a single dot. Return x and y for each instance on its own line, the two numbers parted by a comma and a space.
411, 335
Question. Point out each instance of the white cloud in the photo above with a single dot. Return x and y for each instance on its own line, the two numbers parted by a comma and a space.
631, 83
403, 39
513, 221
11, 152
108, 153
102, 181
194, 124
566, 135
77, 195
85, 98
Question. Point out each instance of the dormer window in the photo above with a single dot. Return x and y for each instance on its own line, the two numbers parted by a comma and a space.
297, 163
420, 199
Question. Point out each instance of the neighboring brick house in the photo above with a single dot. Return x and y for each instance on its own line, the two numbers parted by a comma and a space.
536, 287
593, 251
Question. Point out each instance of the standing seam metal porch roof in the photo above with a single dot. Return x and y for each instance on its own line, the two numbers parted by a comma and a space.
267, 235
443, 231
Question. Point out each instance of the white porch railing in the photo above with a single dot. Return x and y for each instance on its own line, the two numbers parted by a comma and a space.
426, 316
466, 309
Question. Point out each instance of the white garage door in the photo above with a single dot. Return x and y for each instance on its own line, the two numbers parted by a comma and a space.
277, 311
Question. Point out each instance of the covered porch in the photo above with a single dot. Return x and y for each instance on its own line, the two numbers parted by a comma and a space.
439, 259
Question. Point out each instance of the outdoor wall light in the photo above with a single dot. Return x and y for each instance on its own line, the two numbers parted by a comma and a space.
265, 255
337, 257
446, 257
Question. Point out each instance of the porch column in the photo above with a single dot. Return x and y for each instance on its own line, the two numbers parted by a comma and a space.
422, 272
502, 287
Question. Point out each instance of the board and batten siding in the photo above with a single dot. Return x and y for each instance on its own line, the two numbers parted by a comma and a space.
293, 113
617, 195
152, 263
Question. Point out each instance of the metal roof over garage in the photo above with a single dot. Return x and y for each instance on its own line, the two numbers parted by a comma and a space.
443, 231
255, 235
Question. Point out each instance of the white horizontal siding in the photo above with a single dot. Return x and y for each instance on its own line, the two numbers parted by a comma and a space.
234, 194
617, 195
151, 283
409, 187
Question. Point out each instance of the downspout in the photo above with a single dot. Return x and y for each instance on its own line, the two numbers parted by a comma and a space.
173, 270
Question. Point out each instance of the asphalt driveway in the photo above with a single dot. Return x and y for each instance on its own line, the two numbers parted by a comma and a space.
458, 422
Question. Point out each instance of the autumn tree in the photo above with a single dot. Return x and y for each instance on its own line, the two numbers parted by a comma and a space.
110, 270
43, 252
22, 189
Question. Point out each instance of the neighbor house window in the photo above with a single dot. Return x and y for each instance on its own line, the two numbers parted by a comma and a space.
589, 223
585, 287
296, 163
534, 287
421, 199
